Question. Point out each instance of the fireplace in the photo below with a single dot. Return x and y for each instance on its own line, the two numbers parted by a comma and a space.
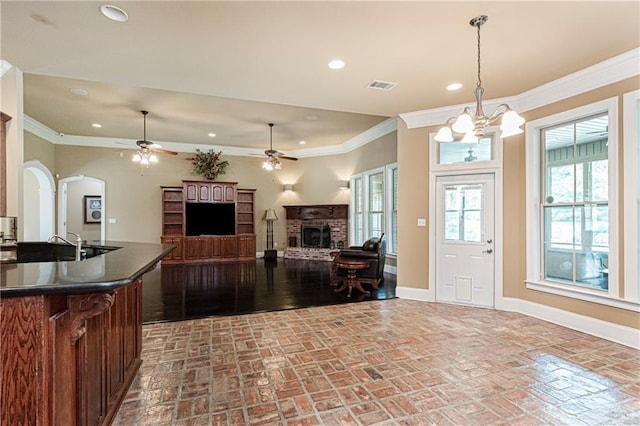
314, 231
316, 236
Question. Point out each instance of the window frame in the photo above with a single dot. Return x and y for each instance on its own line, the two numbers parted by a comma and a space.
631, 151
534, 223
387, 209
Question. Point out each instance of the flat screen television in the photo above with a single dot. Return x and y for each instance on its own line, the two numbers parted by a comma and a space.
210, 219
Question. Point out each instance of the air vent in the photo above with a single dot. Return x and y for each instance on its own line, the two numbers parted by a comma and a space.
382, 85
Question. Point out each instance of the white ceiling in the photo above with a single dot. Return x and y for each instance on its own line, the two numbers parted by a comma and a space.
231, 67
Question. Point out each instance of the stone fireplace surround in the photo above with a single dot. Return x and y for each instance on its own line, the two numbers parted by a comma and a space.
335, 216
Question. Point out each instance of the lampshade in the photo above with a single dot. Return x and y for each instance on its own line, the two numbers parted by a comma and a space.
270, 214
288, 188
444, 134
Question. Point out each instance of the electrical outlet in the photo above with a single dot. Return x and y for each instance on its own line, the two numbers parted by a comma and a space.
112, 220
422, 221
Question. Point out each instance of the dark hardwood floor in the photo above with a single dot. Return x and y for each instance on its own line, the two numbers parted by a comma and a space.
178, 292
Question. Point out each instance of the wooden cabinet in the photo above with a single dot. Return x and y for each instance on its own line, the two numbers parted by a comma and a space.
177, 253
197, 248
247, 246
245, 211
78, 355
172, 211
203, 248
209, 192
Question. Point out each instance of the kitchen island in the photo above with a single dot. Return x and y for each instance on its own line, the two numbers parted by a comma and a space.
71, 334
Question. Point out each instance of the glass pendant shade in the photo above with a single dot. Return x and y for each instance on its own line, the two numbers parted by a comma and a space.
444, 135
136, 158
153, 158
463, 124
469, 137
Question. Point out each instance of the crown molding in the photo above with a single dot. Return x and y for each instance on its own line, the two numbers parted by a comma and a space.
601, 74
37, 128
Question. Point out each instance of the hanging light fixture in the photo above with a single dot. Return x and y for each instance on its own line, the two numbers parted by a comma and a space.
272, 161
471, 127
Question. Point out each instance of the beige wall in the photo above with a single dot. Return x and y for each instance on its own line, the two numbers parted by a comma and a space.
134, 199
36, 148
413, 164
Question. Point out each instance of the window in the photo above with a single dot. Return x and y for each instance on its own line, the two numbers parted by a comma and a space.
357, 212
374, 205
392, 226
572, 221
575, 202
462, 211
457, 152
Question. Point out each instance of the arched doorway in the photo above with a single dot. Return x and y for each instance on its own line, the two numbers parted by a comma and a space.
72, 195
38, 202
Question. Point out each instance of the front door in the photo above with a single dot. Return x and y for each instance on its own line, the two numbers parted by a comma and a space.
465, 267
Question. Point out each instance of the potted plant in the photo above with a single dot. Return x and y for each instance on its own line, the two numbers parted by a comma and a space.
208, 164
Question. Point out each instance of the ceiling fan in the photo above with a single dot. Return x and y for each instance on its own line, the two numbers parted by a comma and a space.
146, 149
273, 157
470, 157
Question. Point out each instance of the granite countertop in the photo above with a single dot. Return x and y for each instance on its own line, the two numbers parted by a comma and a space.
104, 272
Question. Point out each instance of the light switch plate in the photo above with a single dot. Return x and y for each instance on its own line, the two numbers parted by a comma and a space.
422, 221
112, 220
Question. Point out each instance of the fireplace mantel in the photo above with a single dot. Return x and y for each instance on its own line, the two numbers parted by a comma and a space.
318, 211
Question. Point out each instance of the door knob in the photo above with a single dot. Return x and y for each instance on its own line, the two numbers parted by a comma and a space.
488, 251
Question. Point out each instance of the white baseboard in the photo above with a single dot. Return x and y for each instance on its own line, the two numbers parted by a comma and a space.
421, 294
391, 269
613, 332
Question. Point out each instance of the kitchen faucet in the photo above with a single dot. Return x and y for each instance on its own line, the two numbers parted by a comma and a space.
77, 245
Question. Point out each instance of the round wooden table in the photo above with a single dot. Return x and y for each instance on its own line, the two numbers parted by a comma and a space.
351, 265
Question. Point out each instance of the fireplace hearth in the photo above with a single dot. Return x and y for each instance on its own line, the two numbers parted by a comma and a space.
317, 229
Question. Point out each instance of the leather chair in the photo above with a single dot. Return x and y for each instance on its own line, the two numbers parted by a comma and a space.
374, 250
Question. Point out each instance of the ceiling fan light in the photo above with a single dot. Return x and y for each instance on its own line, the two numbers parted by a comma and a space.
153, 158
144, 161
463, 124
266, 165
444, 135
136, 158
278, 165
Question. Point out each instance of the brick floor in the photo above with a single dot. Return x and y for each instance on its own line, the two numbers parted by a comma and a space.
392, 362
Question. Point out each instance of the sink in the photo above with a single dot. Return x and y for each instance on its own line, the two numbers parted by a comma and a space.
55, 252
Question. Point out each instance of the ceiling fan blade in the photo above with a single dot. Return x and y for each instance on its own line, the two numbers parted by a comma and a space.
284, 157
164, 151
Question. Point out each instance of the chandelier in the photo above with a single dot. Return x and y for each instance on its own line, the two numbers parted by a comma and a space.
470, 128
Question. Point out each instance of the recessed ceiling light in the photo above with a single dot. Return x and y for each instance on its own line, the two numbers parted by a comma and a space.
78, 91
302, 142
454, 86
97, 125
211, 135
336, 64
114, 13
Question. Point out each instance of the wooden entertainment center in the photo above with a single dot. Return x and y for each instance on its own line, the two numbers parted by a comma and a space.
196, 218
